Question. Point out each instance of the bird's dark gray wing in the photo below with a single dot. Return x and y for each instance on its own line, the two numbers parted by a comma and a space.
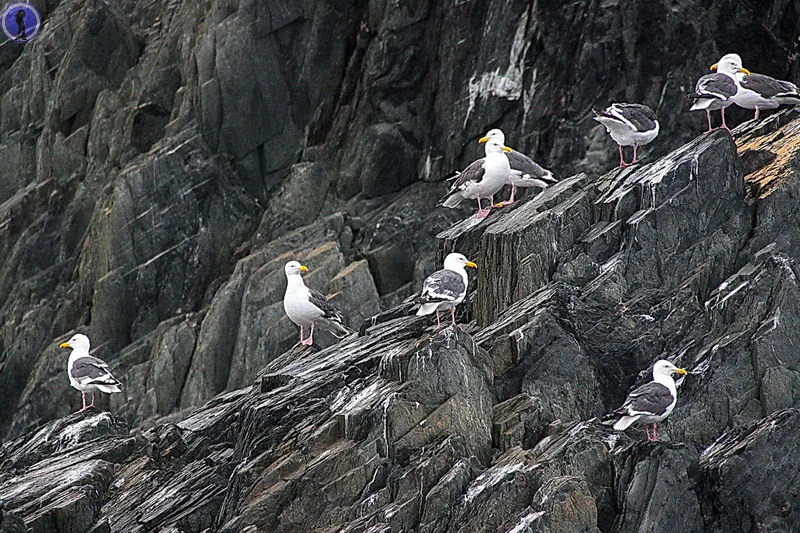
91, 370
527, 166
473, 172
640, 116
716, 85
330, 312
649, 399
442, 286
767, 86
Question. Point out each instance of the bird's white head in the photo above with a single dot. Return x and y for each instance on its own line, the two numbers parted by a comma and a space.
664, 368
495, 146
457, 262
77, 342
494, 134
294, 268
730, 64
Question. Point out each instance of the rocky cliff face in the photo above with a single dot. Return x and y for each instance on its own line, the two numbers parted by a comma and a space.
163, 161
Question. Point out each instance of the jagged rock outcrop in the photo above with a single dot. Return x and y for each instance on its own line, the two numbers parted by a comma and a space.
400, 428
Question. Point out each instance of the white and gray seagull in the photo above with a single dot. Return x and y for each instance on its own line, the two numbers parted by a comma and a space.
308, 308
717, 90
86, 372
481, 179
651, 403
757, 91
629, 125
525, 172
446, 288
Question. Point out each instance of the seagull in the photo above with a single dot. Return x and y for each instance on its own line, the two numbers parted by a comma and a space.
87, 373
481, 179
446, 288
524, 171
629, 125
757, 91
653, 402
716, 91
307, 308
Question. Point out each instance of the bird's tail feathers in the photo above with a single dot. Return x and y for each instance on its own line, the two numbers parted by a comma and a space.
452, 200
338, 329
427, 309
701, 103
108, 389
624, 422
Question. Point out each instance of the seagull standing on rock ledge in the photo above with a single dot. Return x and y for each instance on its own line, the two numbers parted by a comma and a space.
629, 125
446, 288
481, 179
87, 373
307, 307
717, 90
653, 402
525, 172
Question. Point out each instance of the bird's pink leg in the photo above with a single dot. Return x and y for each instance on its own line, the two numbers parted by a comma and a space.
92, 404
756, 117
647, 432
83, 397
655, 432
622, 162
708, 116
438, 322
724, 126
482, 213
301, 336
635, 146
511, 199
310, 340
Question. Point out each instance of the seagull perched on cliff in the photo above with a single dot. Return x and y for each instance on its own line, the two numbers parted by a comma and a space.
629, 125
446, 288
308, 308
524, 171
651, 403
87, 373
481, 179
717, 90
757, 91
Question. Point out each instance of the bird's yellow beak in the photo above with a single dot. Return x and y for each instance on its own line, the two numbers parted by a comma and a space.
64, 345
483, 139
303, 268
681, 371
471, 264
507, 149
744, 70
713, 67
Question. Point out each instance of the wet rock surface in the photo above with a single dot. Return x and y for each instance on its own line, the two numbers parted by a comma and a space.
163, 160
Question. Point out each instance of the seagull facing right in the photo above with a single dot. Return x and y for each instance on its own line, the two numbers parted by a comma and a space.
307, 307
446, 288
629, 125
481, 179
653, 402
525, 172
716, 91
88, 373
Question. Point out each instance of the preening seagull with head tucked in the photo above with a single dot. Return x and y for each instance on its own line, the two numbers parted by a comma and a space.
524, 171
481, 179
629, 125
716, 91
446, 288
653, 402
308, 308
88, 373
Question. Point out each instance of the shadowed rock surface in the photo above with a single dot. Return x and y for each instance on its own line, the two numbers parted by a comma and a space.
163, 160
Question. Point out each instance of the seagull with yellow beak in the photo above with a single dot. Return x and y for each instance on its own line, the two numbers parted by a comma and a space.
446, 288
757, 91
308, 308
717, 90
86, 372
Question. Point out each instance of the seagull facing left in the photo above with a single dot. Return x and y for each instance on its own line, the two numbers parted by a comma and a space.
308, 308
87, 373
653, 402
525, 172
629, 125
